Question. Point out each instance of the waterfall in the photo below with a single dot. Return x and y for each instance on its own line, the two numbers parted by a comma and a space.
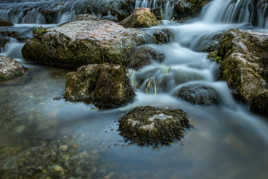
252, 12
166, 5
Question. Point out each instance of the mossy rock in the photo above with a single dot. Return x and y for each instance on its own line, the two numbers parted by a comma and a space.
10, 68
104, 85
153, 126
242, 56
142, 17
83, 42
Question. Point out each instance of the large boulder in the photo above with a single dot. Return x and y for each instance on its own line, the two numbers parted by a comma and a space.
83, 42
243, 57
153, 126
10, 68
104, 85
142, 17
199, 94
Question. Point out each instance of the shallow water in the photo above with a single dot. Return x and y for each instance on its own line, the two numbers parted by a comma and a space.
226, 142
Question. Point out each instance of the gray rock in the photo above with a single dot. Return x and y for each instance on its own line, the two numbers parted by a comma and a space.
10, 68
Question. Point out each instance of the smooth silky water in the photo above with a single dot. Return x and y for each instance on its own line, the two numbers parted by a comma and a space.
226, 141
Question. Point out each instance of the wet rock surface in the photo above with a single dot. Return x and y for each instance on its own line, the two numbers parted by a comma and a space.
153, 126
143, 56
243, 59
104, 85
185, 9
84, 42
199, 94
259, 103
10, 68
142, 17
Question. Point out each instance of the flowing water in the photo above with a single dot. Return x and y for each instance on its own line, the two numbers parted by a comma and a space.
227, 141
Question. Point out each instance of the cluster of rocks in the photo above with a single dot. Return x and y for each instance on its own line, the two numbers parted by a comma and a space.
243, 58
102, 50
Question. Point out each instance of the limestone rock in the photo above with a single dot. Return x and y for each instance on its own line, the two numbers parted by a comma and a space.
243, 58
142, 17
78, 43
10, 68
153, 126
104, 85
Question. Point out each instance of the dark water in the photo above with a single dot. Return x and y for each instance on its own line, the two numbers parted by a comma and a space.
227, 141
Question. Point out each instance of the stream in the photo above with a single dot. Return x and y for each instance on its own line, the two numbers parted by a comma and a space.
226, 142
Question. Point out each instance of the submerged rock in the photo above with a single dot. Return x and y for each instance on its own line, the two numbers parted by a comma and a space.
153, 126
10, 68
47, 160
83, 42
142, 17
104, 85
243, 58
199, 94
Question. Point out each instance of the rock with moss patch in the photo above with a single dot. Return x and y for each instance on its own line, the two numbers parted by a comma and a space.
243, 58
153, 126
10, 68
78, 43
104, 85
199, 94
142, 17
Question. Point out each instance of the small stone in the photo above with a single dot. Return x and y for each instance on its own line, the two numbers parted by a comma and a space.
64, 148
58, 169
142, 17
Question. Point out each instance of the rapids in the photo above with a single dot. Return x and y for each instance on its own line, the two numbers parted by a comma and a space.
227, 140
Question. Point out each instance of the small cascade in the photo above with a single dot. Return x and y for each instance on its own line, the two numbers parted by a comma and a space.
41, 12
252, 12
166, 5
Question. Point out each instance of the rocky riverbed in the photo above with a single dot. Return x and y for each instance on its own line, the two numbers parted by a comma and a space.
96, 89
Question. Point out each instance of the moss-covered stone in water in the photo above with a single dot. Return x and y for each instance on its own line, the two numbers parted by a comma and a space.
153, 126
142, 17
10, 68
242, 57
83, 42
39, 31
104, 85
